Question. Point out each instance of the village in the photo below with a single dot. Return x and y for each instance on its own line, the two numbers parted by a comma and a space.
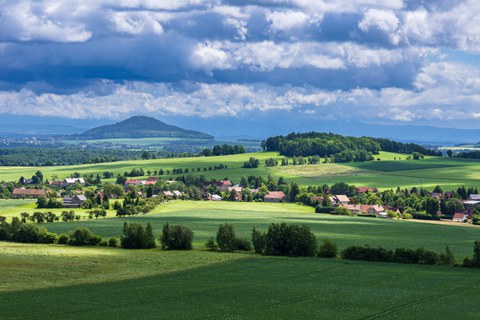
354, 204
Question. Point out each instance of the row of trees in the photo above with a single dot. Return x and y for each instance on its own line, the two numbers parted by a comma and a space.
337, 147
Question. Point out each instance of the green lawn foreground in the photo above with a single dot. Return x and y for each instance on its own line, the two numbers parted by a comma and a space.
62, 282
239, 287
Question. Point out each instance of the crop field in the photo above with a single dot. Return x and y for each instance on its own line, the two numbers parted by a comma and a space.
110, 283
56, 282
390, 171
204, 218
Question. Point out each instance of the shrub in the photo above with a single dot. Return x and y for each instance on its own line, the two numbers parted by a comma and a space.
341, 211
259, 241
447, 258
243, 244
47, 237
103, 243
321, 209
63, 238
83, 237
290, 240
113, 242
328, 249
226, 238
28, 233
176, 237
134, 236
367, 253
211, 244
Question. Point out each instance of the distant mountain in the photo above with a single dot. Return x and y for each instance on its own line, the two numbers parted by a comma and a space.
140, 127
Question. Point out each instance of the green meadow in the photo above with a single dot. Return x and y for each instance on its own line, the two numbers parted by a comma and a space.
110, 283
204, 217
390, 171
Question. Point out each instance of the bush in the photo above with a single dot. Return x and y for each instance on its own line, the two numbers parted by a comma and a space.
321, 209
83, 237
47, 237
259, 241
103, 243
28, 233
447, 258
226, 238
63, 238
211, 244
176, 237
290, 240
367, 253
113, 242
328, 249
134, 236
243, 244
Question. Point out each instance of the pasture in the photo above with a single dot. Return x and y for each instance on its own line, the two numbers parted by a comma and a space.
56, 282
391, 171
111, 283
204, 218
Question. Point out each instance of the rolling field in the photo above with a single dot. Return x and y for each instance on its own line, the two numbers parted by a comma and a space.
449, 173
109, 283
103, 283
205, 217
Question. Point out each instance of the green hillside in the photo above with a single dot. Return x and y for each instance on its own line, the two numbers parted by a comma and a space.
390, 171
140, 127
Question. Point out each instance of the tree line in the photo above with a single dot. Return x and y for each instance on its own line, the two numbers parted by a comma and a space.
337, 147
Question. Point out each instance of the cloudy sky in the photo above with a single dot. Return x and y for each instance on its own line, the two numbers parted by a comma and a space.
376, 61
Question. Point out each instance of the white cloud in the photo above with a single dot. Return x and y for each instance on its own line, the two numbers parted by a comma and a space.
385, 21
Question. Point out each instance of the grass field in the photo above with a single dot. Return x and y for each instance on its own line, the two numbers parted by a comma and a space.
108, 283
449, 173
205, 217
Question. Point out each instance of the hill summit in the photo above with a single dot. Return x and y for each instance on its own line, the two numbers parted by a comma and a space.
140, 127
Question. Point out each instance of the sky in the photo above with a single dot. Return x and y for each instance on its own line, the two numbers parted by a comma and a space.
384, 62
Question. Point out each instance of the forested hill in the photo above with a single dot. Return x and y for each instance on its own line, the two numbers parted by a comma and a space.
140, 127
339, 148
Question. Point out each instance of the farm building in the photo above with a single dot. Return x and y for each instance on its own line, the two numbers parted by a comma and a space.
221, 185
363, 190
275, 196
71, 181
28, 193
74, 202
340, 199
459, 217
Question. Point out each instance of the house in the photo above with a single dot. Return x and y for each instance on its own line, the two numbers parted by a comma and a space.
436, 195
216, 197
28, 193
71, 181
133, 182
353, 208
177, 194
238, 192
459, 217
74, 202
221, 185
168, 193
475, 197
362, 190
377, 210
154, 179
275, 196
56, 183
27, 181
340, 199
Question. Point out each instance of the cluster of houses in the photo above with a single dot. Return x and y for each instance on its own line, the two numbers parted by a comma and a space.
228, 186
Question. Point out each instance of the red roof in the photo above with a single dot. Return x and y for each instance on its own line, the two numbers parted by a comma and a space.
365, 189
155, 179
275, 195
459, 215
28, 192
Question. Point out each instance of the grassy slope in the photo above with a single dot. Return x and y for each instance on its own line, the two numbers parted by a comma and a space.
386, 173
201, 287
204, 217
